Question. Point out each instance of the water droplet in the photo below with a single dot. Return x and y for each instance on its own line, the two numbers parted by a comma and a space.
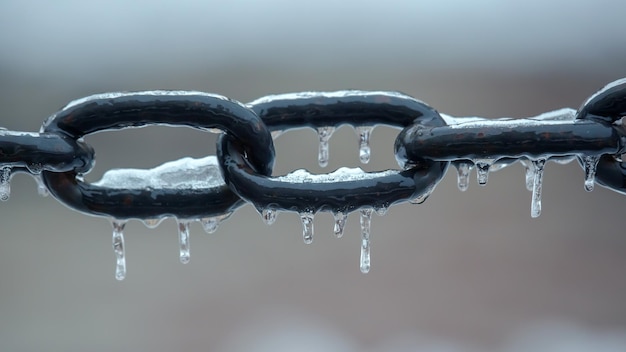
152, 223
340, 223
5, 183
324, 134
307, 226
183, 241
535, 207
210, 224
42, 190
364, 133
366, 220
590, 162
482, 170
382, 210
35, 168
118, 248
529, 172
463, 172
269, 215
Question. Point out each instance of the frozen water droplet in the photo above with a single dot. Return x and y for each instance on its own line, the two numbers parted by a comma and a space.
5, 183
42, 190
324, 134
529, 172
35, 168
307, 226
118, 248
269, 216
590, 162
210, 224
183, 241
482, 170
366, 220
463, 172
535, 207
152, 223
364, 133
382, 210
340, 223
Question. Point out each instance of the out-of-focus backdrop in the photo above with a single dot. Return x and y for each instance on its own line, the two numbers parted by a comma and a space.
463, 272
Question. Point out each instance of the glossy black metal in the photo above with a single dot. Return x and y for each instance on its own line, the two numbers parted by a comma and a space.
332, 109
510, 138
356, 108
124, 110
609, 105
44, 151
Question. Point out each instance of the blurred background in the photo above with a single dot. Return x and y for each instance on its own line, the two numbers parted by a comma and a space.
463, 272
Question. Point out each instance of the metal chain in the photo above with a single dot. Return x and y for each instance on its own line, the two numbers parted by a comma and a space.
210, 189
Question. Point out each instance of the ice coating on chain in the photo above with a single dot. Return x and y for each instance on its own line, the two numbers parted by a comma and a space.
5, 183
343, 174
152, 223
421, 198
535, 206
276, 134
185, 173
210, 224
183, 241
604, 89
590, 162
155, 93
324, 134
35, 168
340, 223
364, 133
322, 95
463, 172
556, 117
366, 221
269, 215
482, 170
118, 249
307, 226
381, 211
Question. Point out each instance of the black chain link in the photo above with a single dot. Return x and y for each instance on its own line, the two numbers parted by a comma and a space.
210, 189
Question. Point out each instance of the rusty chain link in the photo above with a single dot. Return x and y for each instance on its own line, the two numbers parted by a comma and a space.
211, 188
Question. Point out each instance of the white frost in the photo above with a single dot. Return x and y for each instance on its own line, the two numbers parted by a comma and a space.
185, 173
343, 174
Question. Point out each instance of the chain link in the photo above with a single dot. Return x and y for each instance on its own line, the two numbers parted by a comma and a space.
210, 189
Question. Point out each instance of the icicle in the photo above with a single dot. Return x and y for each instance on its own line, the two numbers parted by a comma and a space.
366, 219
364, 133
152, 223
529, 172
269, 216
482, 170
41, 187
5, 183
210, 224
535, 206
183, 241
324, 134
340, 223
307, 226
118, 248
463, 171
590, 162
